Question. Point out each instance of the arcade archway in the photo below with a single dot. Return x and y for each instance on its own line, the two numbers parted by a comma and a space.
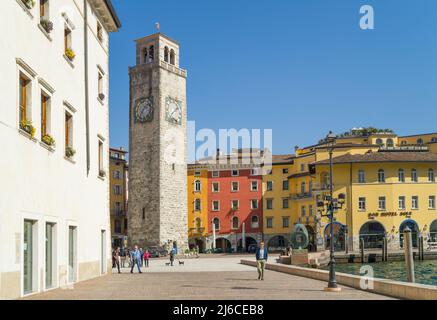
223, 244
251, 245
277, 243
339, 236
412, 225
372, 233
433, 231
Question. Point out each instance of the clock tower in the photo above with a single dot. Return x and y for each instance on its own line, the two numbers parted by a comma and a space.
157, 145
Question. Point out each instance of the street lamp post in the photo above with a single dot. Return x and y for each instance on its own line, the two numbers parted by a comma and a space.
331, 205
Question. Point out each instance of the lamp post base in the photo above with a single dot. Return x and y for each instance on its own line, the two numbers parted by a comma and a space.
337, 289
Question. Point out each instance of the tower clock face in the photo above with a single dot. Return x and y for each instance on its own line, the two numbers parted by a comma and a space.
144, 109
173, 111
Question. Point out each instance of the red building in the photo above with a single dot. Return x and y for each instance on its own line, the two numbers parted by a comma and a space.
235, 206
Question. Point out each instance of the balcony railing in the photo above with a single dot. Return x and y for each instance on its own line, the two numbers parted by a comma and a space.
410, 147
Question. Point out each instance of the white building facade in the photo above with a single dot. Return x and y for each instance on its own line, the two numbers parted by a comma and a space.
54, 131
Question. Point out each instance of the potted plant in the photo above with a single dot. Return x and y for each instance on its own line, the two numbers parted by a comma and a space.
29, 3
48, 140
69, 152
47, 25
101, 96
69, 53
27, 126
102, 173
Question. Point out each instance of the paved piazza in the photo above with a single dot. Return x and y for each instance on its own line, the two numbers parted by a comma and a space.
215, 278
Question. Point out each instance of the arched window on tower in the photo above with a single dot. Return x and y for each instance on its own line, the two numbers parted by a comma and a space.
151, 53
166, 54
145, 55
172, 57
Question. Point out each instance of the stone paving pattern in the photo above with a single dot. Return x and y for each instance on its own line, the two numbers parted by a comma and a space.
204, 278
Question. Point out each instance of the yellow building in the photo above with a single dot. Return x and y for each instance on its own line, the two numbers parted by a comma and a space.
197, 206
118, 168
276, 203
387, 184
385, 192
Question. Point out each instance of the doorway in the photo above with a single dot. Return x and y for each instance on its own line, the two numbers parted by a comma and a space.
28, 256
72, 254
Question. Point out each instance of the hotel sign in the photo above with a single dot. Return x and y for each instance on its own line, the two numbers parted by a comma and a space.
374, 215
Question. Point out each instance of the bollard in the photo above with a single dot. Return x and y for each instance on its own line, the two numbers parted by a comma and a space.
383, 250
362, 250
409, 261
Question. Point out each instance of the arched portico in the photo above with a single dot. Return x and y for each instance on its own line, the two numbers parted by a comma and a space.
339, 236
413, 226
372, 233
277, 243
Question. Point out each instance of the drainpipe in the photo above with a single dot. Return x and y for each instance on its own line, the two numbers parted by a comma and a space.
87, 116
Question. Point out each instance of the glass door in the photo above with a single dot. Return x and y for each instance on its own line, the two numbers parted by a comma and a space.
28, 257
49, 255
72, 254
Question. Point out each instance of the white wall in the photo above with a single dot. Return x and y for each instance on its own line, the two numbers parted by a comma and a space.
38, 183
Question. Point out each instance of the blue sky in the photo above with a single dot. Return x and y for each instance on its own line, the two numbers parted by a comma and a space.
298, 67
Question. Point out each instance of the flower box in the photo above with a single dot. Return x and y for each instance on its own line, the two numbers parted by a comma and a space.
29, 3
48, 140
47, 25
69, 53
27, 126
69, 152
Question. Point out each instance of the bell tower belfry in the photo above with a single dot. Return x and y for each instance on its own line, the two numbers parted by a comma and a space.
157, 145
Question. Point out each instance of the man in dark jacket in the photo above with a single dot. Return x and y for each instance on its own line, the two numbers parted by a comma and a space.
261, 259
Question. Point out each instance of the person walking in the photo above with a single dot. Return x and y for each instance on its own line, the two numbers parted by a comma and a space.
142, 257
261, 259
172, 255
136, 259
146, 258
116, 258
123, 257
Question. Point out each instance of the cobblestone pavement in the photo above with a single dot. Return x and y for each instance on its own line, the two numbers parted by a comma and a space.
204, 278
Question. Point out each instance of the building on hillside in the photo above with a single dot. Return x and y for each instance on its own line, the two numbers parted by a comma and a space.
118, 170
54, 226
198, 207
388, 185
277, 203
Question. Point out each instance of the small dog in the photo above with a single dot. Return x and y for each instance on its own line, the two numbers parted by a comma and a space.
181, 263
167, 263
